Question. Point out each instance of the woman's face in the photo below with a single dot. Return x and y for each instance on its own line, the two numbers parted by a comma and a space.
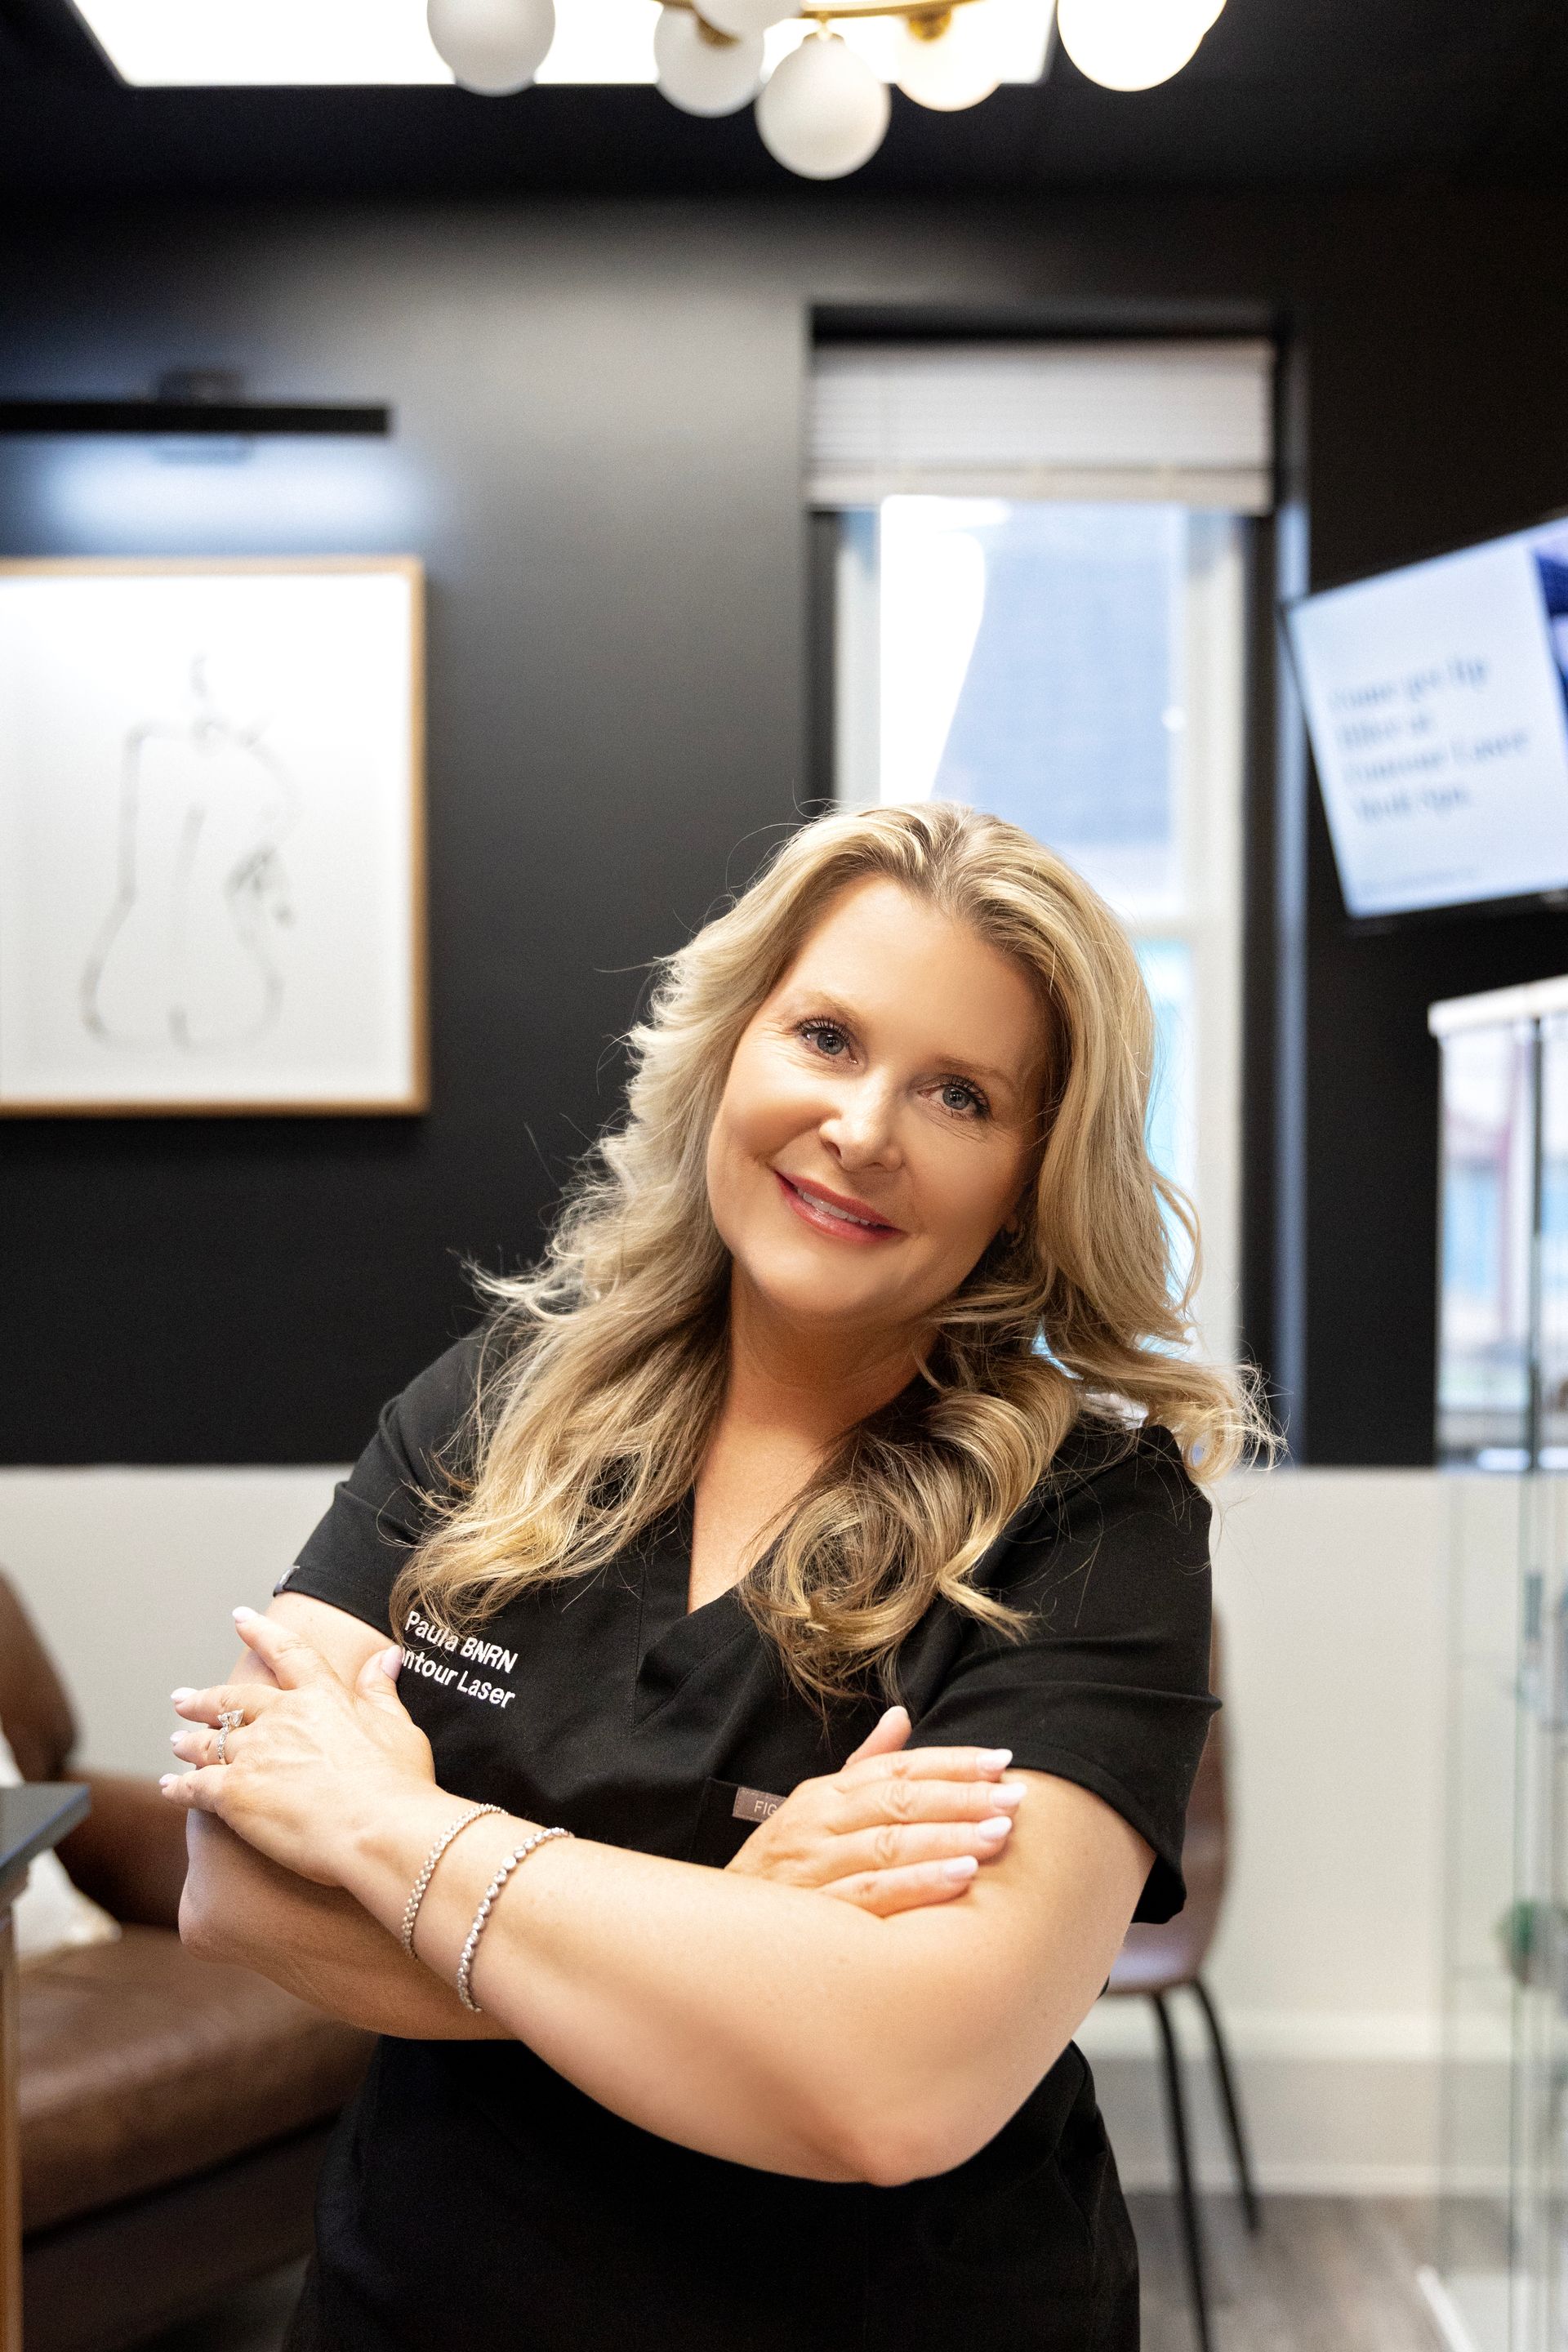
881, 1115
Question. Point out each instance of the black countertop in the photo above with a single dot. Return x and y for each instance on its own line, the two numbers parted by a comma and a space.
34, 1818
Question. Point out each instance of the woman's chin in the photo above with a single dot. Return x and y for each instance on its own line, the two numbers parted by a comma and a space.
826, 1298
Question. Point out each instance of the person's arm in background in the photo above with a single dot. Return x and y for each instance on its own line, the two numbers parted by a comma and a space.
314, 1941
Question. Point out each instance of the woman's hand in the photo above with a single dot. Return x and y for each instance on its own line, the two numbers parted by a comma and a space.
315, 1759
895, 1828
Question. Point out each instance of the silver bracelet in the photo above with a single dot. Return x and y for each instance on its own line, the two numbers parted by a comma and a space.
518, 1853
421, 1886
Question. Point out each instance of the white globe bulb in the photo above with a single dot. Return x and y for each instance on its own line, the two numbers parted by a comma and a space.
703, 72
1132, 44
824, 112
745, 18
957, 66
492, 46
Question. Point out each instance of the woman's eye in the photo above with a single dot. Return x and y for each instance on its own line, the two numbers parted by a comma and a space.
825, 1035
958, 1095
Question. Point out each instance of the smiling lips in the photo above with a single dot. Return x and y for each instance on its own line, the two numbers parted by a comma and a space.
831, 1213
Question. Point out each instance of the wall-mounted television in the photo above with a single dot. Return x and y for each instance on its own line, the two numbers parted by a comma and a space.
1436, 701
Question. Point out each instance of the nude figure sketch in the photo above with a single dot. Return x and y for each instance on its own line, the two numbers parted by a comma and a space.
186, 955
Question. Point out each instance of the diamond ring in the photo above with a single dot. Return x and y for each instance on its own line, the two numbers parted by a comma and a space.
229, 1719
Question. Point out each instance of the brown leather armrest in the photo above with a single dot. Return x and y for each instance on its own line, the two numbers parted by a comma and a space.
130, 1852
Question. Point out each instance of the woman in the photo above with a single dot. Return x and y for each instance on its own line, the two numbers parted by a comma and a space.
853, 1375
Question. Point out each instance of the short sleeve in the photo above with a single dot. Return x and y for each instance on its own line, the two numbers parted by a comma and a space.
381, 1510
1109, 1687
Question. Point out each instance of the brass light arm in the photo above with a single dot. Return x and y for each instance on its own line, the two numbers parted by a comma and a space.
932, 20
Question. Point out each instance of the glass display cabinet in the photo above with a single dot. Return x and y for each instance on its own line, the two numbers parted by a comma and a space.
1500, 2283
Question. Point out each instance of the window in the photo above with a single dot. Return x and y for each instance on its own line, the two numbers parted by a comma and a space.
1075, 664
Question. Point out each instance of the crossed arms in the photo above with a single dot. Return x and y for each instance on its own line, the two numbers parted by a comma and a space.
745, 2016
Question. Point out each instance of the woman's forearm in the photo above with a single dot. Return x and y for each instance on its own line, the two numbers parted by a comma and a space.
314, 1941
755, 2022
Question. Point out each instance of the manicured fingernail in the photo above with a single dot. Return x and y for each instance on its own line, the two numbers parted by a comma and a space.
175, 1737
886, 1711
962, 1865
995, 1759
167, 1780
997, 1826
389, 1661
240, 1616
183, 1693
1009, 1792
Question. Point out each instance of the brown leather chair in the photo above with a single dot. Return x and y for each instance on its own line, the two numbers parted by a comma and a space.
173, 2111
1158, 1961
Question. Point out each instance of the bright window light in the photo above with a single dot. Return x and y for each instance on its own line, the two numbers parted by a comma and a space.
1019, 35
1079, 668
602, 40
213, 43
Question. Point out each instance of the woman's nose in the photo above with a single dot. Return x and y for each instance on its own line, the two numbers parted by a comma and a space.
863, 1127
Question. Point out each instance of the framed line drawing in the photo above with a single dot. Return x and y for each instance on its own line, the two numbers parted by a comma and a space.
211, 836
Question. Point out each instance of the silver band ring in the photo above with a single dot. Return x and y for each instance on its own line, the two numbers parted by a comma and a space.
230, 1719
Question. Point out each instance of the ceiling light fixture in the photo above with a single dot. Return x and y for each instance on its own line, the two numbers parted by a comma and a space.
703, 71
823, 111
741, 19
826, 116
1133, 44
947, 59
493, 45
819, 71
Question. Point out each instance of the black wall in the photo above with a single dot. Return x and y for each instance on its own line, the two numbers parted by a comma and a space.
598, 458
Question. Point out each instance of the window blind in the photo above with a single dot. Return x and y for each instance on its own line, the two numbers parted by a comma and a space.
1190, 423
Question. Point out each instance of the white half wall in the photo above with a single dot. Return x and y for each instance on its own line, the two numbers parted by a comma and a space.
1332, 1587
132, 1577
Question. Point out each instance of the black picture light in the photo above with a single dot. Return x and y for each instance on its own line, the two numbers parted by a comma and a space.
196, 402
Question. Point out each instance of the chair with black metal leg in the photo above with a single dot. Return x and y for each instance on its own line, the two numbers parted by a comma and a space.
1158, 1961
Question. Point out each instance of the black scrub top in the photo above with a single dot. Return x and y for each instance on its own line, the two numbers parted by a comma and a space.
472, 2197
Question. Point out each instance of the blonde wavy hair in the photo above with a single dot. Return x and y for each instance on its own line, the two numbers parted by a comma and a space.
605, 1367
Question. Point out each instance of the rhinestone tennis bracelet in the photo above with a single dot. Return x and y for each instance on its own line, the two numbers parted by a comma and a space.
421, 1886
518, 1853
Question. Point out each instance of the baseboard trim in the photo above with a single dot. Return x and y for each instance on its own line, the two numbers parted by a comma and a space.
1326, 2180
1350, 2125
1445, 2312
1124, 2027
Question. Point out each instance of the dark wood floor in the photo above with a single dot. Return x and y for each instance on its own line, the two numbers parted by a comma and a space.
1324, 2274
1327, 2274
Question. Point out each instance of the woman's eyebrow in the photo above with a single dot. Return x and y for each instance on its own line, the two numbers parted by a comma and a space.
967, 1065
821, 1003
